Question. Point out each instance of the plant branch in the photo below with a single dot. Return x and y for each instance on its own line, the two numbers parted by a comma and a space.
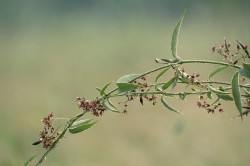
174, 64
208, 62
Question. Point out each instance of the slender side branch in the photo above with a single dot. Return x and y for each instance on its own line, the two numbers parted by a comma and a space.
208, 62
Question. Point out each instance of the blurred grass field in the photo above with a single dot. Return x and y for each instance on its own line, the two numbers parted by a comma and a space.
48, 58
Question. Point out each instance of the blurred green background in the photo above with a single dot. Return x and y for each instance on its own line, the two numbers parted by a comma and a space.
54, 50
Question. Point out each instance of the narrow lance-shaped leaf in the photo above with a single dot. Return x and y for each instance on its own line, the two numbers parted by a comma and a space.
102, 91
124, 84
216, 101
209, 95
236, 92
175, 36
168, 106
127, 78
245, 73
161, 73
225, 97
27, 162
126, 87
246, 66
109, 106
81, 122
216, 71
245, 70
80, 126
217, 91
177, 76
170, 82
97, 88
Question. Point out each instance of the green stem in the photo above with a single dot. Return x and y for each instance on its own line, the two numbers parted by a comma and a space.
144, 74
170, 94
159, 93
208, 62
225, 83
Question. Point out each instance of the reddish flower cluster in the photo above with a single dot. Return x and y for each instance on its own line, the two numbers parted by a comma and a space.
148, 98
93, 106
227, 54
209, 108
135, 94
48, 134
192, 78
144, 88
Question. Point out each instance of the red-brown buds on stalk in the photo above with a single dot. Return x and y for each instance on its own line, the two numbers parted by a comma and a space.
209, 108
93, 106
221, 110
144, 88
48, 135
192, 78
140, 93
199, 104
225, 51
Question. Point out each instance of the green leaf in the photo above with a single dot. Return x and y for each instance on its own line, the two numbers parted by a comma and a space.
126, 87
245, 70
97, 88
27, 162
216, 101
80, 126
246, 66
217, 91
102, 91
236, 92
175, 81
110, 106
216, 71
168, 106
209, 95
244, 73
127, 78
225, 97
175, 36
81, 122
161, 73
170, 82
